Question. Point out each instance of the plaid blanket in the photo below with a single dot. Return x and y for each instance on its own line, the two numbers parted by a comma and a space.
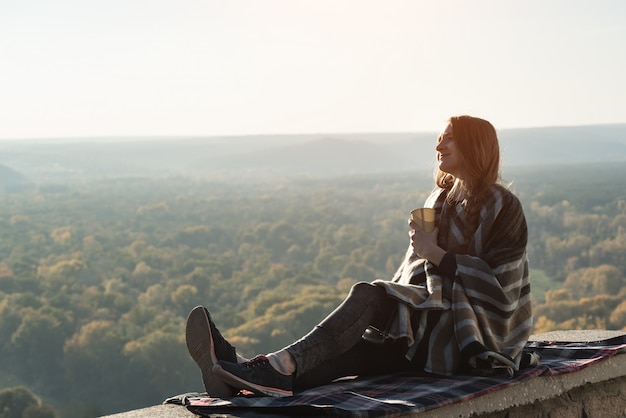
398, 394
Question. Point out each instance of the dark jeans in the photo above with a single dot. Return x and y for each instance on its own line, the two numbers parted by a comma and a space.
334, 348
363, 359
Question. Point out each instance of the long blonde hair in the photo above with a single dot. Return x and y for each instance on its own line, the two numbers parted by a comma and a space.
477, 142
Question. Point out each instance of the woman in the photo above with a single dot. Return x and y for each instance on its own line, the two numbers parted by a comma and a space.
460, 301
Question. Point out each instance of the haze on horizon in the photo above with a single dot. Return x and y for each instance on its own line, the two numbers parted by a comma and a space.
72, 68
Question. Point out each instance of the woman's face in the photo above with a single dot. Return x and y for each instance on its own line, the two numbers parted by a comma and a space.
448, 155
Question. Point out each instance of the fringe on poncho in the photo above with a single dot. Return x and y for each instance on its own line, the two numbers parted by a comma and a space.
486, 307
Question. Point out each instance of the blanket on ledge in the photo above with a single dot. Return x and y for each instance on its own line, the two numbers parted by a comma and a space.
397, 394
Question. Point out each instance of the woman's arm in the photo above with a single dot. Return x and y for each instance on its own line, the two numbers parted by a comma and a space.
425, 244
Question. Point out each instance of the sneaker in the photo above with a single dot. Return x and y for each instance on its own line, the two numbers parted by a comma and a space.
207, 346
256, 375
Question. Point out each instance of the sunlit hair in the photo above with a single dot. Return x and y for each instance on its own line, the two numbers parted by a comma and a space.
477, 142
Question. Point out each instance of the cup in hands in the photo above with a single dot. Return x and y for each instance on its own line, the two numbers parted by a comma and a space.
424, 218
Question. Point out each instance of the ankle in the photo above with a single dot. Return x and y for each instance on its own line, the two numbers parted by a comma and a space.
282, 362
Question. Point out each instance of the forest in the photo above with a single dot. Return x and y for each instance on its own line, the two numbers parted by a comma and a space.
97, 276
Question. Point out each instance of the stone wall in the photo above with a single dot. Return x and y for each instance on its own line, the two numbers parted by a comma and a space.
593, 400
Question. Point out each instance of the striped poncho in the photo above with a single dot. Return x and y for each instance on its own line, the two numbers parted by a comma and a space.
485, 310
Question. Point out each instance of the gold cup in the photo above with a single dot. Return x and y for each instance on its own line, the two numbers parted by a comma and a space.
424, 218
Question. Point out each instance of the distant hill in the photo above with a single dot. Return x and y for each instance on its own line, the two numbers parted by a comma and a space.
331, 155
574, 144
11, 180
311, 155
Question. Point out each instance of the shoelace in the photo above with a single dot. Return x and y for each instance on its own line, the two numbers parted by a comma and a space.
260, 360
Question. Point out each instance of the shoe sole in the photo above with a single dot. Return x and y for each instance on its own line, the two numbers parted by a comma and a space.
200, 346
240, 383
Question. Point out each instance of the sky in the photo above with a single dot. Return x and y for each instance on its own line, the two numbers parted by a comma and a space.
85, 68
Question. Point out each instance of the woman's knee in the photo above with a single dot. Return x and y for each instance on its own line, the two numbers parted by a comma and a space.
367, 292
375, 297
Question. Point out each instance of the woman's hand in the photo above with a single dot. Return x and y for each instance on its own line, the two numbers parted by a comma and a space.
425, 243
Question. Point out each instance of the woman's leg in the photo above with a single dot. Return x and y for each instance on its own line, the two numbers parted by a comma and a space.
274, 374
366, 305
364, 359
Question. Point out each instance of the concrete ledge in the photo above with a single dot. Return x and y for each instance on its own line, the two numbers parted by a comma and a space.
158, 411
535, 391
596, 391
